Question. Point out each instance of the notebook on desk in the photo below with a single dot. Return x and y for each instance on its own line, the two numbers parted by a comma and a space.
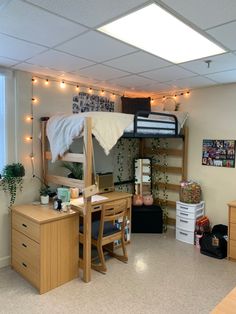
80, 201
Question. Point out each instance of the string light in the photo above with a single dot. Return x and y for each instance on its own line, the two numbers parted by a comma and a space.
34, 80
62, 84
46, 82
29, 138
34, 100
29, 118
77, 87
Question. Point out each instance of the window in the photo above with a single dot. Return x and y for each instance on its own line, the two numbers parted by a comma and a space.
2, 122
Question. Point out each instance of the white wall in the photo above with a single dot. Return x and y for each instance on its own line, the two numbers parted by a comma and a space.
212, 116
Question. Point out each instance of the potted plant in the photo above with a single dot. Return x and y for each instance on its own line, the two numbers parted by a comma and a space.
12, 179
44, 194
76, 169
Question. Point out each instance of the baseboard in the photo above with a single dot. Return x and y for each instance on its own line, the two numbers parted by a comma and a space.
5, 261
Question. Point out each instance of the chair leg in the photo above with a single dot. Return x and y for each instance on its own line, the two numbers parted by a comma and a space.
102, 266
123, 258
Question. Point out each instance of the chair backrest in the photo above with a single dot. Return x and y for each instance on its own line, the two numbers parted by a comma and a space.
113, 211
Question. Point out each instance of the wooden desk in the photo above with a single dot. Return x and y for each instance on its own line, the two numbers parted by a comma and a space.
85, 264
227, 305
44, 245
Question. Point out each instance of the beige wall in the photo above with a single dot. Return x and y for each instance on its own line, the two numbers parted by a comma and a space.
212, 116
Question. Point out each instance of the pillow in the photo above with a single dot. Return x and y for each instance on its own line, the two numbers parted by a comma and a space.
180, 115
132, 105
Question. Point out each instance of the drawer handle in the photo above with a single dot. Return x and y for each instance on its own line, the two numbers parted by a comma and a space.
183, 214
96, 207
183, 233
183, 207
24, 264
24, 225
186, 221
24, 245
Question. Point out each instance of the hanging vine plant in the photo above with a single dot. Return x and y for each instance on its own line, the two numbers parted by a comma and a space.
12, 180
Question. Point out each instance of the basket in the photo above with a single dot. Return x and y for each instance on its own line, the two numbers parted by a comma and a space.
190, 192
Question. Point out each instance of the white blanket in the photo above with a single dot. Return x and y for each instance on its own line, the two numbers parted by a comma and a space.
107, 127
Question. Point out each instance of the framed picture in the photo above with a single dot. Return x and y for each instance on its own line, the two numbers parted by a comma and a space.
218, 153
84, 102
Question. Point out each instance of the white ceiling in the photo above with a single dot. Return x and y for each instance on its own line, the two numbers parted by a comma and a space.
58, 38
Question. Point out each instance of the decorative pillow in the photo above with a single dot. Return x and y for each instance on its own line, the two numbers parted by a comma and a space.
132, 105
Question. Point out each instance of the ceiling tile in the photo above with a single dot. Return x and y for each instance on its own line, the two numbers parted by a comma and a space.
7, 62
17, 49
224, 77
138, 62
204, 13
101, 72
96, 47
225, 34
88, 12
218, 63
37, 69
59, 61
132, 81
168, 74
192, 82
25, 21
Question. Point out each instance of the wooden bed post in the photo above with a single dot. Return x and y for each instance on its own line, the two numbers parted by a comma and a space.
87, 201
185, 154
43, 149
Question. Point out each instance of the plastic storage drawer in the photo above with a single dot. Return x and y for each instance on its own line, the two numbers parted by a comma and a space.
190, 208
185, 235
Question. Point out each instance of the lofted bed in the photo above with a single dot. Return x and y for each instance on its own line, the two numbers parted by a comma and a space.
61, 130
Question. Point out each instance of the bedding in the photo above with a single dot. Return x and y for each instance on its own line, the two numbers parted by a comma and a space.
107, 127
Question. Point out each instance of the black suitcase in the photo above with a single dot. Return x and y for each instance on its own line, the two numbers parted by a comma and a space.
214, 244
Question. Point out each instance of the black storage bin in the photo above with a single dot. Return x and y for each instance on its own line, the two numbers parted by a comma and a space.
147, 219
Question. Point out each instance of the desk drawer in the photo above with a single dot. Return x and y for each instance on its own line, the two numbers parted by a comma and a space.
28, 249
25, 269
26, 226
96, 208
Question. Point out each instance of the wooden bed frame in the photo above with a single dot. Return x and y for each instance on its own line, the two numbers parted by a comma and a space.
87, 159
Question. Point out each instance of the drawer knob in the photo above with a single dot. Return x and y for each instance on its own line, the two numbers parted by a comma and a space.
24, 225
24, 245
24, 264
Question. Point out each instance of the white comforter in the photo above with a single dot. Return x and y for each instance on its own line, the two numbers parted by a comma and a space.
107, 127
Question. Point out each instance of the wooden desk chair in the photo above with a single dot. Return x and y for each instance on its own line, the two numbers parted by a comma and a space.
105, 231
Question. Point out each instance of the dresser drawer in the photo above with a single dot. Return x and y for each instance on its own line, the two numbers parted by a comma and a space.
184, 223
26, 269
26, 248
190, 208
232, 249
232, 215
26, 226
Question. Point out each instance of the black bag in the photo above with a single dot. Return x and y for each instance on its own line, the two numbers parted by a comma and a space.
214, 244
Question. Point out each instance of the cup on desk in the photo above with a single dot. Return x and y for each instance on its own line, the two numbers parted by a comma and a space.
74, 192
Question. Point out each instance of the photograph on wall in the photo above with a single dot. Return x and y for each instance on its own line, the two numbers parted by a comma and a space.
219, 153
84, 102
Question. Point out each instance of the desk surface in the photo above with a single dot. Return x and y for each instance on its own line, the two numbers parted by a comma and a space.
109, 197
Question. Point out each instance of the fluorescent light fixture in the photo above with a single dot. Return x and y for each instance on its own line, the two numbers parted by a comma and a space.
158, 32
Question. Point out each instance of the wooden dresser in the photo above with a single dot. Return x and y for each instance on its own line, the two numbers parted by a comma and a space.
232, 231
44, 245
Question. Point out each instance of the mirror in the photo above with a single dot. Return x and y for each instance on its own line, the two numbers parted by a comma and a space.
143, 176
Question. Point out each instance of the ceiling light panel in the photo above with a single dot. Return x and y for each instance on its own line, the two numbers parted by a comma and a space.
158, 32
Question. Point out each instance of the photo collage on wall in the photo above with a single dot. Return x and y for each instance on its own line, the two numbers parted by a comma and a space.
219, 153
84, 102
